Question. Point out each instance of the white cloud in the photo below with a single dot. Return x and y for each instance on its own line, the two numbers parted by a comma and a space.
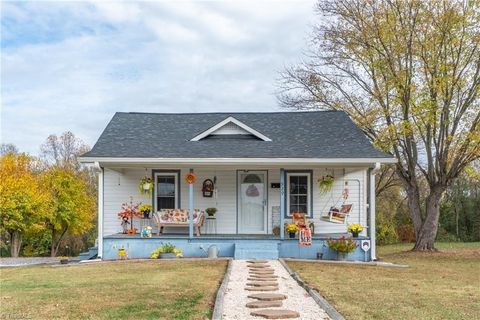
71, 66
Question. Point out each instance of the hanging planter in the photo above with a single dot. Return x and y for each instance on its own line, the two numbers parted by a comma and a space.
146, 185
325, 183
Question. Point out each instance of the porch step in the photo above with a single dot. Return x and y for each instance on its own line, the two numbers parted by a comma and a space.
256, 250
90, 254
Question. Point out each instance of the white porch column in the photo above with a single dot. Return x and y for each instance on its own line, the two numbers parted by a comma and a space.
100, 213
190, 212
282, 203
371, 202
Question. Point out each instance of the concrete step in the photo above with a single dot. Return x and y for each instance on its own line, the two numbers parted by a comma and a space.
90, 254
267, 250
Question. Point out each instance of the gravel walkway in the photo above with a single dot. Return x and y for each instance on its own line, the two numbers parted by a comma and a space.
236, 297
18, 262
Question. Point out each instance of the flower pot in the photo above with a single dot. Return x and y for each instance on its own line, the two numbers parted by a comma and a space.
167, 255
146, 215
355, 234
291, 235
341, 256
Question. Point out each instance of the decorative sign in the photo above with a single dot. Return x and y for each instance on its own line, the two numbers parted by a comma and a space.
190, 178
365, 245
208, 188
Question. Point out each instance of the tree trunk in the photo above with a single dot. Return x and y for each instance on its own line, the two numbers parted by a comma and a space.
56, 242
53, 248
425, 238
15, 243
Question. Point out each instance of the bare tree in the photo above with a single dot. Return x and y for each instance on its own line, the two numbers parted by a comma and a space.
63, 150
408, 73
8, 148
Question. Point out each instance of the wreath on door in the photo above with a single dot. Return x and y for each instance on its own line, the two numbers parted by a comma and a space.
252, 191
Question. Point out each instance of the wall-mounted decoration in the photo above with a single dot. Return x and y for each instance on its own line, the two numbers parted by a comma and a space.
190, 178
208, 188
275, 185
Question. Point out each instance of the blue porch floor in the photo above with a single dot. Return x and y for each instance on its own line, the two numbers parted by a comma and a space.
239, 246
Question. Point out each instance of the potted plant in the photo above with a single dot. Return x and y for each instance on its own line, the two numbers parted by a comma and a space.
211, 211
355, 229
342, 246
63, 260
291, 229
325, 183
128, 212
166, 251
146, 185
145, 209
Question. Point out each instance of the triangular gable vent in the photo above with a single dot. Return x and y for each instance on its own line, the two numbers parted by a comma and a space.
230, 126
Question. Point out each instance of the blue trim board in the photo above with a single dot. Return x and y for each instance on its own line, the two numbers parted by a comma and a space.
310, 177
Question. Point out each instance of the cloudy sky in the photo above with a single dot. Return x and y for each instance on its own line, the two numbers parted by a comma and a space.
72, 65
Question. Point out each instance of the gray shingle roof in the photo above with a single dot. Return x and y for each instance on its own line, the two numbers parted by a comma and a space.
320, 134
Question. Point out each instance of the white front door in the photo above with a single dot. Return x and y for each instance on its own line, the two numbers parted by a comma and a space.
252, 202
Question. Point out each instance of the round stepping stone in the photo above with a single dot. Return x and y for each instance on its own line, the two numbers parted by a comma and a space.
262, 279
259, 267
263, 276
268, 296
276, 313
269, 288
258, 272
262, 283
264, 304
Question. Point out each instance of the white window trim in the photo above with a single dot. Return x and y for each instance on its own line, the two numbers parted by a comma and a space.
235, 121
169, 174
309, 191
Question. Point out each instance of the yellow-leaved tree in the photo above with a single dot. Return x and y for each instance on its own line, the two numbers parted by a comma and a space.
23, 202
72, 207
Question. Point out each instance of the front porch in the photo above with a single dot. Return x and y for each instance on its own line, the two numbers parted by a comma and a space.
254, 203
231, 245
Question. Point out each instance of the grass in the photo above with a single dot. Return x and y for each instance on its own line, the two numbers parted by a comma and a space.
121, 290
438, 285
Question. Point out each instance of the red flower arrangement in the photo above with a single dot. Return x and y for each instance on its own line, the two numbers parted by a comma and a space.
129, 211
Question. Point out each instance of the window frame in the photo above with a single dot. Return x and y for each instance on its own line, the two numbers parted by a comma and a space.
296, 173
159, 173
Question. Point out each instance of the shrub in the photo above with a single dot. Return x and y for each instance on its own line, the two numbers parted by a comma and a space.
406, 233
344, 245
386, 234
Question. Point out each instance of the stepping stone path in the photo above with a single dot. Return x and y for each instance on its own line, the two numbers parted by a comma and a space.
264, 268
279, 295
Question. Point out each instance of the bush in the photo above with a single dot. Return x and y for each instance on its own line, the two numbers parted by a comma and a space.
386, 234
444, 236
406, 233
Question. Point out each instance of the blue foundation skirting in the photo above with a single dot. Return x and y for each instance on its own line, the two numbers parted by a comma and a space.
137, 247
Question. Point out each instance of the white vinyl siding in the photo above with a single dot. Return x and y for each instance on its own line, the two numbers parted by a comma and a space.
120, 185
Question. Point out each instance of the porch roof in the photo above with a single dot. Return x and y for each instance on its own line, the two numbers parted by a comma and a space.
294, 135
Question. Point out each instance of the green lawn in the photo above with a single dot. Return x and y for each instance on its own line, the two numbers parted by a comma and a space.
120, 290
440, 285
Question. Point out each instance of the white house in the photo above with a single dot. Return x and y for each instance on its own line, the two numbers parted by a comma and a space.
263, 167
